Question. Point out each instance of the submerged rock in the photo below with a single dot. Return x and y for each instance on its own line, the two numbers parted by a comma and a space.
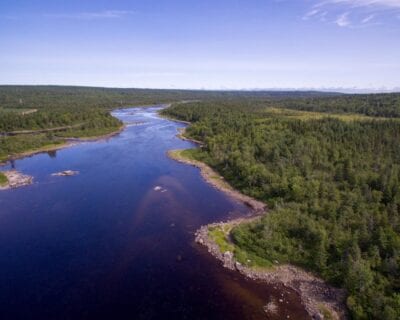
271, 307
159, 188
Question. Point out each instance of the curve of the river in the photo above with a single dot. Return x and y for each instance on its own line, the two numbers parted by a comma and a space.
108, 244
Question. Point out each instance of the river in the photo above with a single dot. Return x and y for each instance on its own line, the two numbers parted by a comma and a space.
106, 245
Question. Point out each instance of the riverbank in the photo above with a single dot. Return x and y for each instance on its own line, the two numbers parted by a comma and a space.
217, 181
97, 138
171, 119
320, 300
181, 135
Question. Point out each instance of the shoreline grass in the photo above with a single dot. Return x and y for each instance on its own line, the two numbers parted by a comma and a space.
3, 180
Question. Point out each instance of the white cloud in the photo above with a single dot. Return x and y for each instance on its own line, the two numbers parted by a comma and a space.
107, 14
343, 20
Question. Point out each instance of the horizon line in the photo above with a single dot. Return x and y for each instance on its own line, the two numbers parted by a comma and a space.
344, 90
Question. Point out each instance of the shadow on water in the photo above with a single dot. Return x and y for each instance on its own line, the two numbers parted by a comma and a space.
109, 244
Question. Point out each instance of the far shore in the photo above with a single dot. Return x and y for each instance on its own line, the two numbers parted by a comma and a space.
68, 142
71, 141
320, 299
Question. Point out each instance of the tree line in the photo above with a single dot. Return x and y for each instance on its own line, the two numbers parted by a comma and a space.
57, 106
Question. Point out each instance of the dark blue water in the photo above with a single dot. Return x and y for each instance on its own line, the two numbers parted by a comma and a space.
105, 245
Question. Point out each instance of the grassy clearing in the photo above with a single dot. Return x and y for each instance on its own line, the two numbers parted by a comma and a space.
251, 260
18, 110
3, 179
325, 312
309, 115
179, 155
188, 154
220, 235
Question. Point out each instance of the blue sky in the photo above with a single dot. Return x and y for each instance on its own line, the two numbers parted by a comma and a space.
219, 44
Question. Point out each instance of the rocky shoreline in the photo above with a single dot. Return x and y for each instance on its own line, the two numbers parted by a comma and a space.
16, 179
318, 297
320, 300
218, 182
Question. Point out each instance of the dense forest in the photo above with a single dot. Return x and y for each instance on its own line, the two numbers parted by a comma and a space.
84, 111
332, 185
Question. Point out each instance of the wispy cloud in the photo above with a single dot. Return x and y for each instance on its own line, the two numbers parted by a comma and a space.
363, 12
311, 13
363, 3
315, 13
107, 14
343, 20
368, 18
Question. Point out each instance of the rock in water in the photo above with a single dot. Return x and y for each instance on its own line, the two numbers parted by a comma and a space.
66, 173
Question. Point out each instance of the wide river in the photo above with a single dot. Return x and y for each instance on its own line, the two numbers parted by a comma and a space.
106, 245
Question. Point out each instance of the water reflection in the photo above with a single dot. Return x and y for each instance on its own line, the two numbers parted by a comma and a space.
52, 153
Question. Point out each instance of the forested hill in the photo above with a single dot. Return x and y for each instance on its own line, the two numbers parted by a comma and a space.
332, 184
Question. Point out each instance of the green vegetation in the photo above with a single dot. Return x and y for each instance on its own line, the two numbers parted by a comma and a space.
69, 97
3, 179
27, 144
328, 165
332, 185
190, 154
219, 237
326, 313
77, 112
